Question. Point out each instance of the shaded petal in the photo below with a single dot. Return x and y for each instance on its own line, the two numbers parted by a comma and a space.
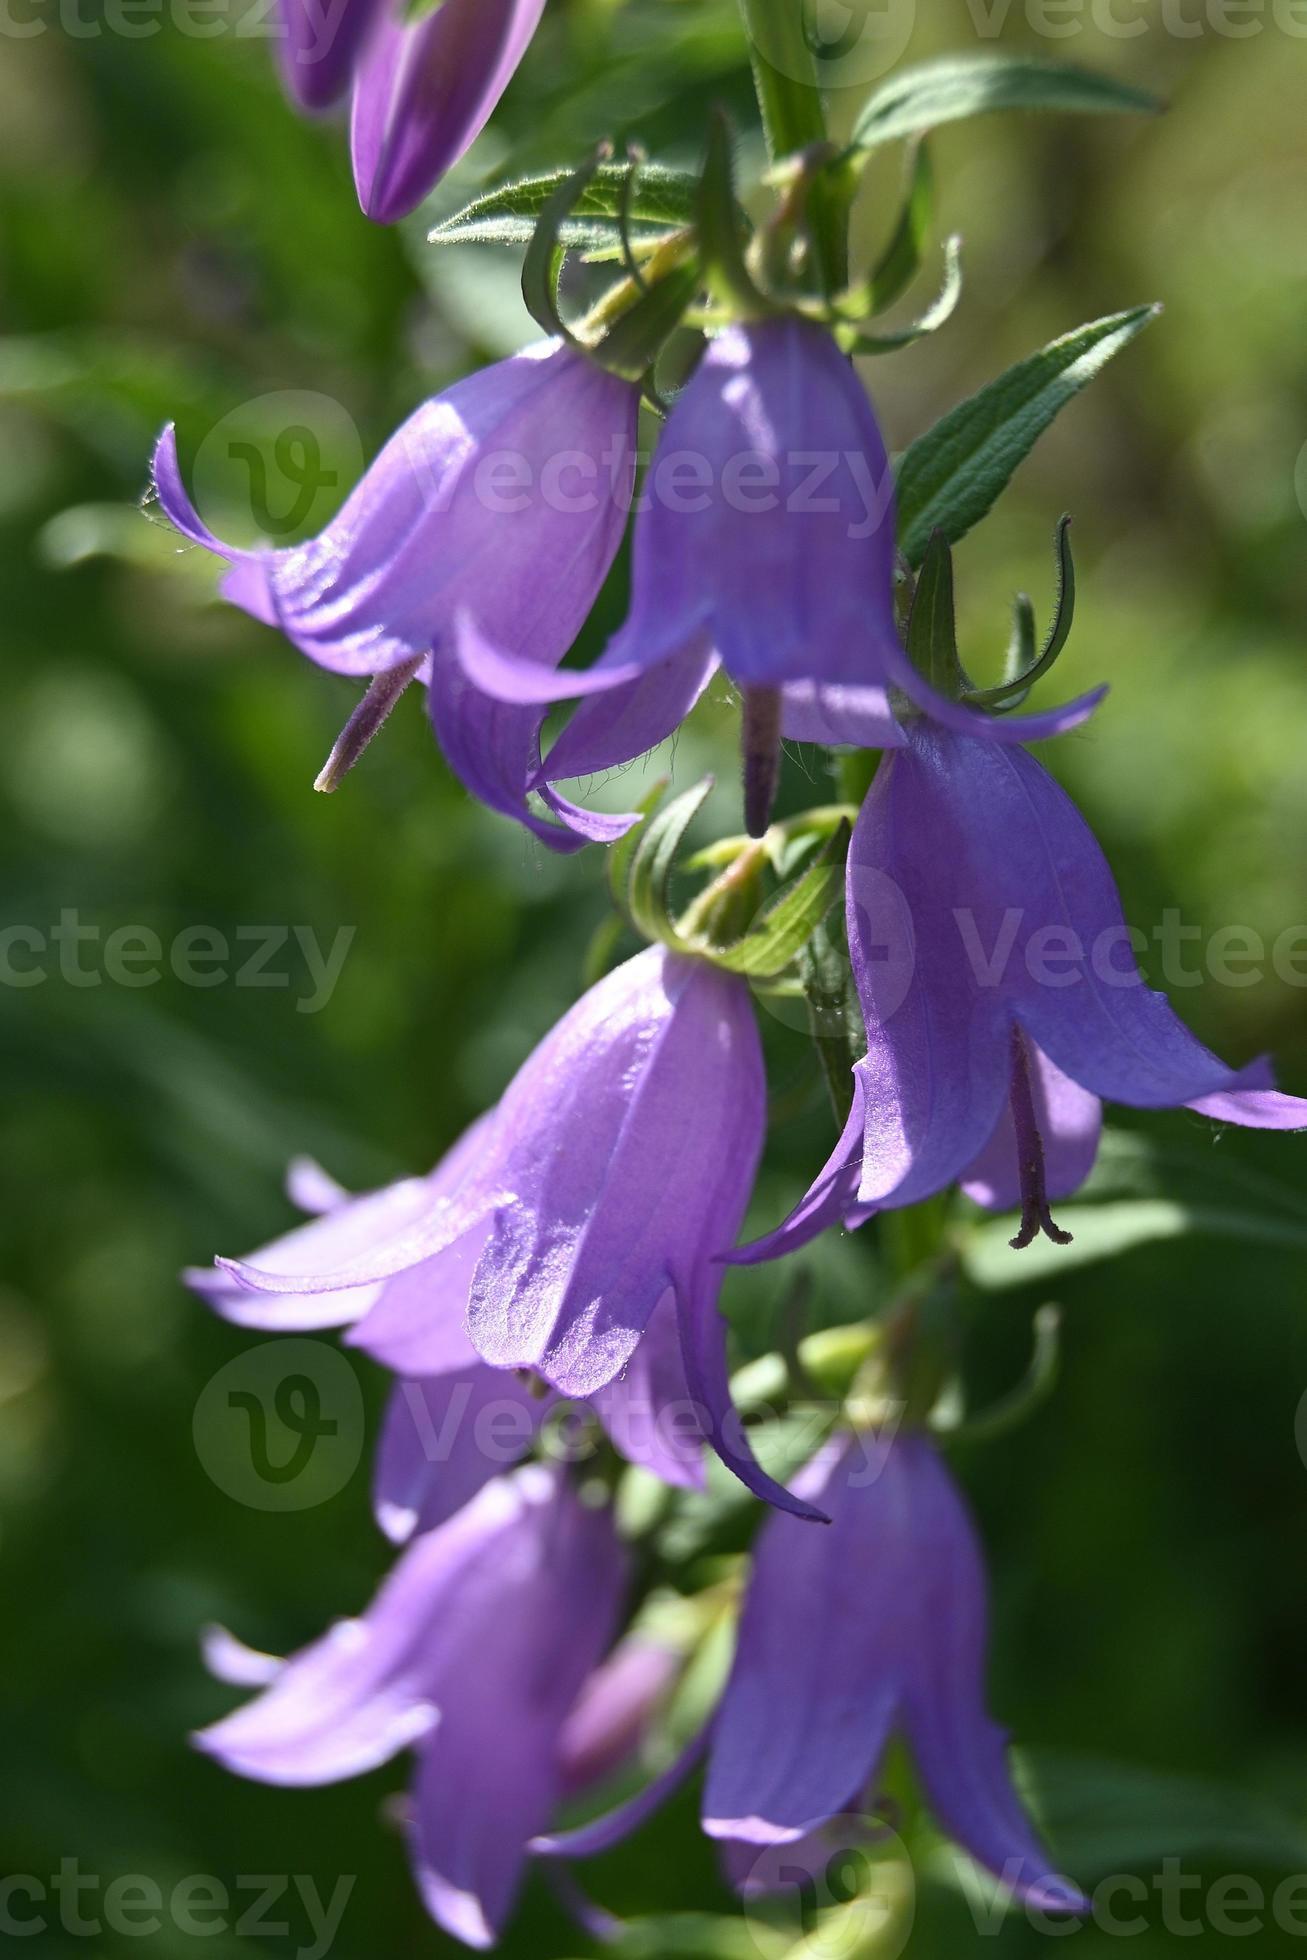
648, 1410
312, 1189
1010, 730
523, 1651
445, 1437
1070, 1123
960, 1754
602, 1833
417, 1325
814, 1688
839, 716
1256, 1103
425, 90
934, 1078
613, 1713
616, 727
319, 42
703, 1349
831, 1200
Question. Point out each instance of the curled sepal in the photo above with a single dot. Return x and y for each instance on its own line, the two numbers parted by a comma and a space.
1030, 1393
1013, 691
543, 264
900, 262
932, 639
624, 850
630, 344
788, 921
721, 240
941, 309
651, 863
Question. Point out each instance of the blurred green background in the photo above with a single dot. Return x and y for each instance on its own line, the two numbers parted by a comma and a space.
177, 244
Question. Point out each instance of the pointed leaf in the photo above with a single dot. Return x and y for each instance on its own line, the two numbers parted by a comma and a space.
950, 476
921, 98
663, 202
653, 861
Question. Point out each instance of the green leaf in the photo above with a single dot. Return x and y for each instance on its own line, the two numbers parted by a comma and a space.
951, 475
789, 920
921, 98
1106, 1817
940, 310
932, 639
649, 881
663, 202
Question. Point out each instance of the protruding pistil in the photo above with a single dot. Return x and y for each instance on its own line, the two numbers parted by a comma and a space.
363, 724
760, 745
1035, 1215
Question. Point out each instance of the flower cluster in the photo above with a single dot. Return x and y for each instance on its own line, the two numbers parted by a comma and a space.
568, 1253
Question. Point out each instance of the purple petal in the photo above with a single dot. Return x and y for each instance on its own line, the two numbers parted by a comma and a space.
831, 1200
703, 1348
615, 1709
1256, 1103
424, 92
313, 1190
840, 717
602, 1833
320, 40
417, 1325
335, 1240
648, 1410
229, 1659
432, 531
935, 1074
960, 1754
518, 1657
631, 1139
445, 1437
814, 1688
614, 728
1070, 1123
1010, 730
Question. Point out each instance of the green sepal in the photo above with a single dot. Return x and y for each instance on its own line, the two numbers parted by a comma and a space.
1029, 667
720, 229
620, 855
543, 264
932, 636
900, 262
631, 345
788, 921
649, 876
941, 309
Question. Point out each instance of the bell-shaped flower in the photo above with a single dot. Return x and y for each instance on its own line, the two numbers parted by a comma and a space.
425, 89
503, 499
577, 1231
1001, 997
473, 1654
319, 43
875, 1627
448, 1432
765, 540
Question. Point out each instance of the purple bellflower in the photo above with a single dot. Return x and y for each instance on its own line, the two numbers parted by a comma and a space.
875, 1626
577, 1231
473, 1654
448, 1432
423, 92
319, 45
504, 499
765, 541
1001, 999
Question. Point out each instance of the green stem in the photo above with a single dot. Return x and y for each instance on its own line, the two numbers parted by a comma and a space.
794, 118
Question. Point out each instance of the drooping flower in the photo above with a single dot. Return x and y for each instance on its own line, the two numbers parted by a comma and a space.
765, 541
503, 499
1001, 998
319, 43
424, 91
447, 1432
473, 1654
874, 1627
576, 1230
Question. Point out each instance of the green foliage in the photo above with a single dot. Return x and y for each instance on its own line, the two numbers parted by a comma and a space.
917, 99
662, 202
